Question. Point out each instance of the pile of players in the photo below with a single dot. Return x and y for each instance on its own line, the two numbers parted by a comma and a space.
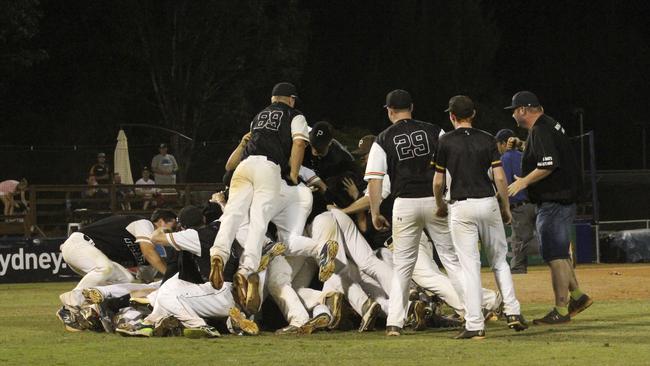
300, 207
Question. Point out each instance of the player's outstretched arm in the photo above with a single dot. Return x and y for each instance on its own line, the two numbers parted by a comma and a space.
235, 157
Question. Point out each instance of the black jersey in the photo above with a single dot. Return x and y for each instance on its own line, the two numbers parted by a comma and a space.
468, 154
408, 147
337, 161
271, 134
548, 147
196, 268
111, 237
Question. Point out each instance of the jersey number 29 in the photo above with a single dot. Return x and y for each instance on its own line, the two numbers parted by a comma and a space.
411, 145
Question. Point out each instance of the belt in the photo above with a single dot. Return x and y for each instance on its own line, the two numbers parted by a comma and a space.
517, 204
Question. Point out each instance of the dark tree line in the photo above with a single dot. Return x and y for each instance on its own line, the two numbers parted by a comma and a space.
73, 71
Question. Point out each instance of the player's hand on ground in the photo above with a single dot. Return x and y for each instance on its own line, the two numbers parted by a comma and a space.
380, 223
517, 186
351, 188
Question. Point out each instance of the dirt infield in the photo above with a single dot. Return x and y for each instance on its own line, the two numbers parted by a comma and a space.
602, 282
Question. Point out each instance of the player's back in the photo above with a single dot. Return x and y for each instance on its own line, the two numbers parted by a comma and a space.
114, 240
468, 154
409, 146
271, 134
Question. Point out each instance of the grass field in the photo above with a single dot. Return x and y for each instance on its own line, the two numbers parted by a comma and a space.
614, 331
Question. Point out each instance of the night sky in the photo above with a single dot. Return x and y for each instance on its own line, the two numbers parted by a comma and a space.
88, 72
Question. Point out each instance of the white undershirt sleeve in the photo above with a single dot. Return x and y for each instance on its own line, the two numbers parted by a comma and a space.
187, 240
299, 128
377, 164
141, 229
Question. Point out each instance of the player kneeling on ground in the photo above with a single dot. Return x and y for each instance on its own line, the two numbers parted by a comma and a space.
188, 296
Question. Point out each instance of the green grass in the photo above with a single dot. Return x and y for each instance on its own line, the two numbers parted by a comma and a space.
609, 333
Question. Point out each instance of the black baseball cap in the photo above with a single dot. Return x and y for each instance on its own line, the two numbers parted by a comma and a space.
398, 99
284, 89
461, 106
504, 134
320, 135
365, 144
523, 98
190, 216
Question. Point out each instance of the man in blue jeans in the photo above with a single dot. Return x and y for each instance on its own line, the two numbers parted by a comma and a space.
550, 173
523, 240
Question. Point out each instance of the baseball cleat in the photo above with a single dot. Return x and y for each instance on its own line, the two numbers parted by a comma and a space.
168, 327
141, 304
240, 324
470, 334
334, 301
292, 329
139, 329
240, 287
322, 321
92, 295
393, 331
579, 305
553, 317
216, 272
441, 321
271, 251
253, 300
326, 260
416, 315
516, 322
204, 331
370, 311
90, 318
68, 319
493, 313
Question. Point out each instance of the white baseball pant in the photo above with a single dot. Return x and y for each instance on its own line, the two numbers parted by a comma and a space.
254, 188
410, 217
94, 266
190, 303
471, 220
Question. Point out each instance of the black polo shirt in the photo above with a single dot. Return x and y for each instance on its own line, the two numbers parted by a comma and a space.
468, 154
405, 151
548, 148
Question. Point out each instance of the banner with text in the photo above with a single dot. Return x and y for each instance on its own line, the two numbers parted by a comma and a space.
33, 260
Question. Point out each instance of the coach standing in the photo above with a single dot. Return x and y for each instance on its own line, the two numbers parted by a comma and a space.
550, 173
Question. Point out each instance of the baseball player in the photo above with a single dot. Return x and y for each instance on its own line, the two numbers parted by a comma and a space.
549, 171
404, 152
98, 252
468, 154
276, 148
188, 296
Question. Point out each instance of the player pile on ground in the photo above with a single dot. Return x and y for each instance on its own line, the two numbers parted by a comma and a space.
299, 207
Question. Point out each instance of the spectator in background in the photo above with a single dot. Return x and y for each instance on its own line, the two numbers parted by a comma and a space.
146, 193
164, 166
523, 238
10, 188
101, 170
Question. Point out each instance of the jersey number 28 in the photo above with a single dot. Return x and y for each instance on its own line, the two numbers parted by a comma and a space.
411, 145
269, 120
